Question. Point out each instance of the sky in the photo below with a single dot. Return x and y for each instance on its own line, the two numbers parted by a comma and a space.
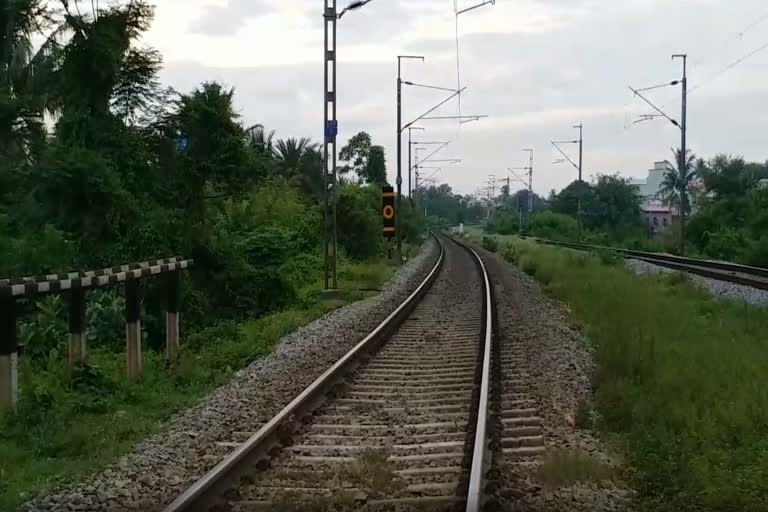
536, 68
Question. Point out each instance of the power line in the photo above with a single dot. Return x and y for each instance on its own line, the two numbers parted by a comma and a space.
729, 67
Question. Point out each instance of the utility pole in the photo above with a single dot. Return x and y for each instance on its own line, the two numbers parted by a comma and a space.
410, 166
399, 232
581, 153
581, 146
530, 181
682, 171
329, 144
578, 167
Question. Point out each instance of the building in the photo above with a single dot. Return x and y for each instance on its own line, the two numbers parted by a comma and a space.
657, 214
650, 187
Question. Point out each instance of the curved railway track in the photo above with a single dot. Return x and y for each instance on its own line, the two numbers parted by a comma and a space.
398, 423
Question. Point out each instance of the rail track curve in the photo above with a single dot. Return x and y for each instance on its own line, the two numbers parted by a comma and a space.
400, 422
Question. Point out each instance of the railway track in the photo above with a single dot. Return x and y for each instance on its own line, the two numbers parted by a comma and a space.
756, 277
398, 423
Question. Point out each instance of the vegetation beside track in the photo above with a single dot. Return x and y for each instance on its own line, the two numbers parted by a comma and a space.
73, 422
679, 377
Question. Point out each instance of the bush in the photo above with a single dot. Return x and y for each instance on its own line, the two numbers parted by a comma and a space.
359, 221
693, 426
503, 223
555, 226
510, 254
44, 335
490, 244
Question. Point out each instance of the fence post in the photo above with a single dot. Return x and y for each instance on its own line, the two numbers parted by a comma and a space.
172, 317
133, 328
77, 330
9, 357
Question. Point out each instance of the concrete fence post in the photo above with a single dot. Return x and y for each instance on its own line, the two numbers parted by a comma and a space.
9, 357
77, 327
172, 317
133, 328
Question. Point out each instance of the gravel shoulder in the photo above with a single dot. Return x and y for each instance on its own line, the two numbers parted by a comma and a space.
722, 289
159, 468
559, 362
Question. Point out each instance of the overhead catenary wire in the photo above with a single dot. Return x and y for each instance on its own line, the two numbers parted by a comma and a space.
728, 67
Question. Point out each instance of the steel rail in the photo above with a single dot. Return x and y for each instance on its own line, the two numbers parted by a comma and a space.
481, 448
205, 492
756, 277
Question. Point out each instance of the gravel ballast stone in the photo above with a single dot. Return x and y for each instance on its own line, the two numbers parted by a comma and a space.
723, 289
159, 468
558, 359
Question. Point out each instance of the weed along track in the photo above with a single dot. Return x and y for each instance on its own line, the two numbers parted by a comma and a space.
391, 426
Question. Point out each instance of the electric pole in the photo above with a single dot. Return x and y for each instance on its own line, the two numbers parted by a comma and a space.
330, 131
398, 217
329, 144
581, 146
530, 181
410, 166
682, 170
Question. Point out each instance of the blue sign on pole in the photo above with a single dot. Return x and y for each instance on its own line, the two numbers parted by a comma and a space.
331, 128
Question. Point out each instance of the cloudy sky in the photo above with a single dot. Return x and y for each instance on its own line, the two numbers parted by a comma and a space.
535, 67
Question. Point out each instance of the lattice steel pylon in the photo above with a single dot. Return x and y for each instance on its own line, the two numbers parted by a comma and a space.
329, 145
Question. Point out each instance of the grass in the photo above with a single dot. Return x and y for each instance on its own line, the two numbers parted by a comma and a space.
562, 468
73, 422
681, 378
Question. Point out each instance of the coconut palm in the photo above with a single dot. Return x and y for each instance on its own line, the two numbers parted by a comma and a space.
674, 187
25, 74
261, 140
290, 151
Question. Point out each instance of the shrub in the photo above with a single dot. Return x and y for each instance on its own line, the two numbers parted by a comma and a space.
510, 254
44, 334
490, 244
555, 226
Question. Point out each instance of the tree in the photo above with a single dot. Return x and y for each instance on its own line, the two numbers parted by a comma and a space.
376, 168
674, 188
25, 75
616, 205
355, 155
260, 140
290, 152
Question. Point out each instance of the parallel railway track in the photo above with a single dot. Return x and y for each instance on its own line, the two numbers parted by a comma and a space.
398, 423
755, 277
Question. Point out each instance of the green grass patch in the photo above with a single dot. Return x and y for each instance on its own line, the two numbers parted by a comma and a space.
680, 376
562, 468
73, 422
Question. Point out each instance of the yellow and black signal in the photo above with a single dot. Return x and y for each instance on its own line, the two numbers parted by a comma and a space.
388, 211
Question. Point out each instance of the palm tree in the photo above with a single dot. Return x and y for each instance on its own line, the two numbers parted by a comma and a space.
674, 187
258, 138
290, 151
26, 75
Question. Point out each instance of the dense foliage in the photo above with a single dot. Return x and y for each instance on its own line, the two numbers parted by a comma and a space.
100, 165
132, 171
691, 417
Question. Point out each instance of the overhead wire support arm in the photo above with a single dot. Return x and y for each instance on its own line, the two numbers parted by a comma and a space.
433, 153
446, 100
654, 107
513, 173
555, 143
469, 118
357, 4
413, 84
486, 2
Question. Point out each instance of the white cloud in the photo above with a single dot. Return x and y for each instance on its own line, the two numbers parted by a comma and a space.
537, 67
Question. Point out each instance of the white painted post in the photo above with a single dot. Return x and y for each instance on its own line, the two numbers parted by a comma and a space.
9, 357
133, 329
172, 317
77, 328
